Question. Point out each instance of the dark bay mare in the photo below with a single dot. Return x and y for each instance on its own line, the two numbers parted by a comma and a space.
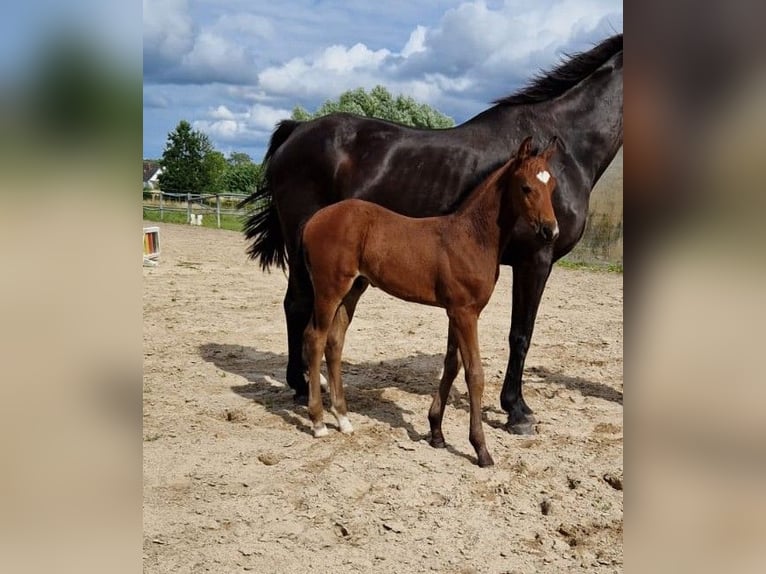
423, 173
451, 261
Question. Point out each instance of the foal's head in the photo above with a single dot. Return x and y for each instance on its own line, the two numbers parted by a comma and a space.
531, 186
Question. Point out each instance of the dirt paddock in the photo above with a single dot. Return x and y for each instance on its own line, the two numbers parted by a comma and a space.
234, 481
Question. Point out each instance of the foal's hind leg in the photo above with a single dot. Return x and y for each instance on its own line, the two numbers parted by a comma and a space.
315, 341
451, 369
334, 351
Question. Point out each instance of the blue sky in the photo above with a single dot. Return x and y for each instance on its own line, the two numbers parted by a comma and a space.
233, 68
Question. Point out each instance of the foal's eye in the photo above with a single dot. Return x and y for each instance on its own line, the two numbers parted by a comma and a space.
526, 189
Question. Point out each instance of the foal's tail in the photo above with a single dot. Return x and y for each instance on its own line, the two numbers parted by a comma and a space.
262, 225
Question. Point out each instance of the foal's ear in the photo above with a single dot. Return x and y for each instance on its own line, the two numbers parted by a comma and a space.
525, 149
552, 146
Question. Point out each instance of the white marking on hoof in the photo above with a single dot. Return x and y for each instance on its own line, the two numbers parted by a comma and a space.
543, 176
320, 431
345, 425
273, 382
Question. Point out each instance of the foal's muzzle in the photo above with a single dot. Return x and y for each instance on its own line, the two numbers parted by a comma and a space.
548, 232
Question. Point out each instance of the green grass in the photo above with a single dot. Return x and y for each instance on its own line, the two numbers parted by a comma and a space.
608, 267
230, 222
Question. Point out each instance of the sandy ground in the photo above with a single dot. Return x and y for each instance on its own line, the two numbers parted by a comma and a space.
234, 481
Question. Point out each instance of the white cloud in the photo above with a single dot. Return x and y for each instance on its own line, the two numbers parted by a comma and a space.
472, 49
416, 43
271, 57
265, 117
215, 58
251, 24
224, 125
222, 113
221, 129
334, 67
168, 29
480, 53
177, 50
340, 59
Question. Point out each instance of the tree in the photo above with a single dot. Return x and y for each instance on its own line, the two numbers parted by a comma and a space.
215, 168
239, 158
188, 166
379, 103
242, 175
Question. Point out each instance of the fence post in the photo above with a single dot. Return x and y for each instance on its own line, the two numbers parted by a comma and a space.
218, 209
161, 212
188, 207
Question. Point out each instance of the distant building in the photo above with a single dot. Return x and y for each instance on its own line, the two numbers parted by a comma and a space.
152, 171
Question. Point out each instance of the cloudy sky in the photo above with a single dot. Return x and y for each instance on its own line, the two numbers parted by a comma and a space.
233, 68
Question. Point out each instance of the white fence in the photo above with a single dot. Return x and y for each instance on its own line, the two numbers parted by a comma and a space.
193, 204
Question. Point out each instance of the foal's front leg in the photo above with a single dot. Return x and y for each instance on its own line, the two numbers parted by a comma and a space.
451, 369
466, 330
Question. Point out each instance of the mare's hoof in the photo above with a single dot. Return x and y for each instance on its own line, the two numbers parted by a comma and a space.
300, 399
437, 442
485, 461
521, 423
320, 431
524, 425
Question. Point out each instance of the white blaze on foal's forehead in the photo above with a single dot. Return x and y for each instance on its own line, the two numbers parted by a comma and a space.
543, 176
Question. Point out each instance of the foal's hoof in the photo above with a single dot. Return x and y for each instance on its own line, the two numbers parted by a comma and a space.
345, 425
437, 442
486, 460
320, 431
523, 425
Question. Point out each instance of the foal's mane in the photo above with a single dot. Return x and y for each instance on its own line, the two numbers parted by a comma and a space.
566, 75
489, 184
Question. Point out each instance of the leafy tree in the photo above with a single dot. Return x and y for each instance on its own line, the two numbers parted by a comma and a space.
239, 158
242, 175
185, 162
215, 168
380, 103
302, 114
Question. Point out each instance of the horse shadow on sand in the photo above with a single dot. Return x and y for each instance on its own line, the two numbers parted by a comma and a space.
367, 385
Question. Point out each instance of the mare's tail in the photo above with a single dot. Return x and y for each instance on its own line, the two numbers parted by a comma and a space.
262, 224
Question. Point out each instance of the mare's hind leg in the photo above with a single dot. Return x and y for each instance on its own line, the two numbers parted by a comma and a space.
298, 304
451, 369
466, 331
334, 351
528, 285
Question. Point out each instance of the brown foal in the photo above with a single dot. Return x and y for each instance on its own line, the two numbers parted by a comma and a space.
450, 261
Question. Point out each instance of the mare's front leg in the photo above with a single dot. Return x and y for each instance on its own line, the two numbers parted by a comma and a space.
466, 331
529, 281
451, 369
298, 305
334, 352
